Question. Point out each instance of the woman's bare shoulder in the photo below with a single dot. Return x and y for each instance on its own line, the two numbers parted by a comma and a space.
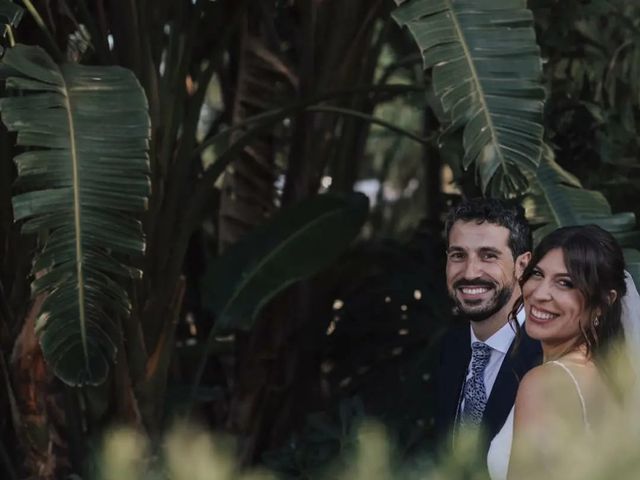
550, 394
542, 376
540, 386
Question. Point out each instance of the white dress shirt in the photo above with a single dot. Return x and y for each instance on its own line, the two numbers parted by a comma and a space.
499, 343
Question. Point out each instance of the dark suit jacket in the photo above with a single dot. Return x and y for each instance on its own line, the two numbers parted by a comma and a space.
455, 355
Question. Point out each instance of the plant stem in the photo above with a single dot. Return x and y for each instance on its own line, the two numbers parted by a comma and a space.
55, 50
371, 119
12, 40
297, 106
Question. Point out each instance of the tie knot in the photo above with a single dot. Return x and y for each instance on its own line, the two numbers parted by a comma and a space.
480, 353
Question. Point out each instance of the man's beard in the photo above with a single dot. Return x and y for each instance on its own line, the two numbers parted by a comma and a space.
495, 304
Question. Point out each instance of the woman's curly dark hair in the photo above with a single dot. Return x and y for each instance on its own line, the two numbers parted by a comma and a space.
595, 263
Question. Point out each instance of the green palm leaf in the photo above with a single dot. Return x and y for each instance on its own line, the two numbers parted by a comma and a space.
557, 199
82, 179
486, 71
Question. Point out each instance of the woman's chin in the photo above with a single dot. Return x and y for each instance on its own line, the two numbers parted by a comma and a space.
535, 330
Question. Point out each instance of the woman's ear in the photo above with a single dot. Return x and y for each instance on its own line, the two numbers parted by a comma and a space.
611, 297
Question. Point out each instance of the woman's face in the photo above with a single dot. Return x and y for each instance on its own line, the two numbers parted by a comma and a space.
554, 307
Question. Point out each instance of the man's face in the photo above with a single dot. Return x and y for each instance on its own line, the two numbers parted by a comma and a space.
482, 275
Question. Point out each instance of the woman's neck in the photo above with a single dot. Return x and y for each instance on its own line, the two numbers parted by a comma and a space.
564, 351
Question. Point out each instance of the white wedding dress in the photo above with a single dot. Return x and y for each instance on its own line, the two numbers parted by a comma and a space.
500, 448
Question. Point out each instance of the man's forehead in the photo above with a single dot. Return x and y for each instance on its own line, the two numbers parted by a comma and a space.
474, 235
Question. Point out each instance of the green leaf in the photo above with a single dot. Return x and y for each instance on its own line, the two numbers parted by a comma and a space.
83, 179
295, 244
486, 71
557, 199
10, 16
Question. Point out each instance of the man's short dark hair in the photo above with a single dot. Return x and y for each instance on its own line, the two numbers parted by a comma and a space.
504, 213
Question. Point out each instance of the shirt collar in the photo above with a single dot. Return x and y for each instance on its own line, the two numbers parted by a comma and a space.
501, 340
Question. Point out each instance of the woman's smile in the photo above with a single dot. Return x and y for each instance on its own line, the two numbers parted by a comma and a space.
540, 315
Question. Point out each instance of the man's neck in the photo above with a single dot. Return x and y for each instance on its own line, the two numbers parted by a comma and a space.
483, 330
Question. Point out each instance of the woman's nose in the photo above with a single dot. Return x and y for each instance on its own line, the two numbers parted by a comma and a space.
541, 291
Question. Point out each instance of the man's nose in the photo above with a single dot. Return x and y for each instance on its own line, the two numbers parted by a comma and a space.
473, 268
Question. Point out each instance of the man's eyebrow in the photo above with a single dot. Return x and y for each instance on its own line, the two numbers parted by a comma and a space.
490, 250
497, 251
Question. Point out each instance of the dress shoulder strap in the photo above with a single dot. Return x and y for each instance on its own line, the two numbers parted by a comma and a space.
575, 382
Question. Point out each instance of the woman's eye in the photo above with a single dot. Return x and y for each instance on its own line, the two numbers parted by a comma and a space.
565, 283
536, 273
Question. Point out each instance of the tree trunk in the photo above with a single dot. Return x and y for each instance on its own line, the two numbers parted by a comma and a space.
46, 454
277, 360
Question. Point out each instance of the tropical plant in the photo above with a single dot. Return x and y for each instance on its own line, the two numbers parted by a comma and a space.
294, 244
179, 53
463, 36
255, 107
486, 72
83, 179
591, 55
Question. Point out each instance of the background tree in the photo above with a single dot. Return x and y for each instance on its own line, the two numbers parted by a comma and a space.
254, 108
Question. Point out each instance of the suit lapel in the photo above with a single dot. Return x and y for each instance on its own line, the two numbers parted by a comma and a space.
456, 368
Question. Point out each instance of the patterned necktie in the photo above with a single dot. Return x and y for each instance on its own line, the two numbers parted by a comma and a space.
475, 395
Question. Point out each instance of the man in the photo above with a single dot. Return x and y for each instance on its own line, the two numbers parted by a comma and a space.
488, 247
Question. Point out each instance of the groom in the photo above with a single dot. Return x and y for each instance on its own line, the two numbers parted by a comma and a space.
488, 247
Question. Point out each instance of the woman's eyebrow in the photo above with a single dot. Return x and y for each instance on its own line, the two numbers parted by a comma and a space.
562, 274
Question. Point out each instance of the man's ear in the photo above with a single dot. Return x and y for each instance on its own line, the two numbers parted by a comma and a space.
521, 263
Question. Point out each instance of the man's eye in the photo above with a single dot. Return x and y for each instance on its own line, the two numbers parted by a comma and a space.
490, 256
456, 255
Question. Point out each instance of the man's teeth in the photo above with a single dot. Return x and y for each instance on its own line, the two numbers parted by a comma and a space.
474, 290
541, 314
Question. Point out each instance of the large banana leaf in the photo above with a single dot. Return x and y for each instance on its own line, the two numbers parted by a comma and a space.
486, 71
82, 179
293, 245
296, 243
557, 199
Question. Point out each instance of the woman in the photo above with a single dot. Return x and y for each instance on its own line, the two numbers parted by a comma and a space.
571, 291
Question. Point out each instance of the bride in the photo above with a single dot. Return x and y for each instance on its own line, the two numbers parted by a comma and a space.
573, 291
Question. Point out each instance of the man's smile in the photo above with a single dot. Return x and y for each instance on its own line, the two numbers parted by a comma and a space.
474, 290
